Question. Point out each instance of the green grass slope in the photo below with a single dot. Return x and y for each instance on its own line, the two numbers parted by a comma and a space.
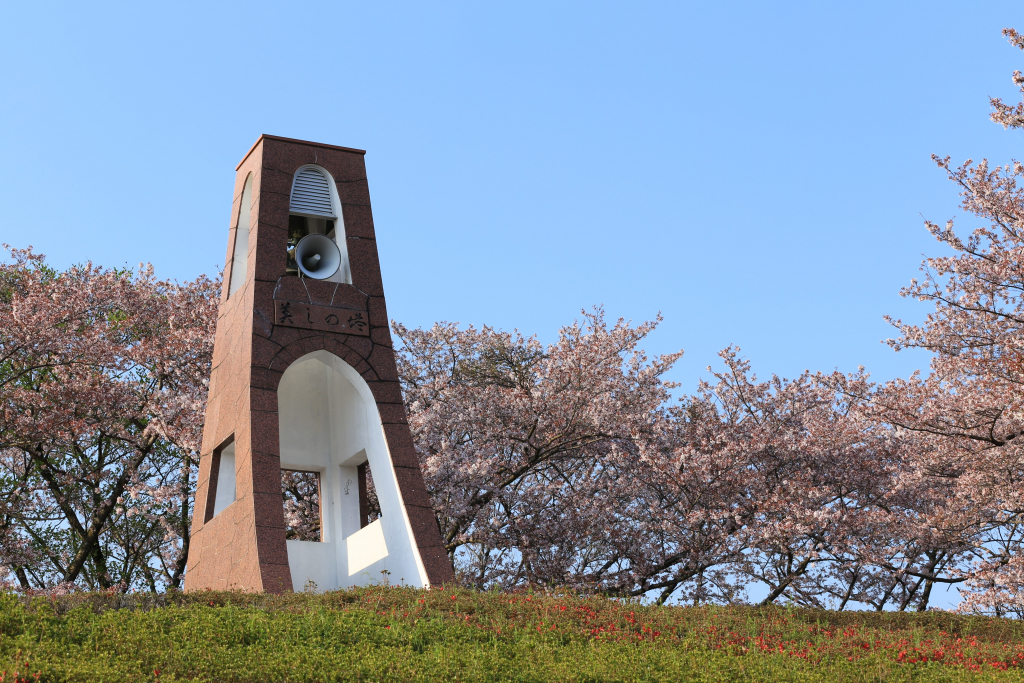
401, 634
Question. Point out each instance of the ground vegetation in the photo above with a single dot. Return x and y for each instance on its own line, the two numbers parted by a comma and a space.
382, 633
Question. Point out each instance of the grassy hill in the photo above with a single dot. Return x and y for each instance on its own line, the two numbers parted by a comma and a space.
401, 634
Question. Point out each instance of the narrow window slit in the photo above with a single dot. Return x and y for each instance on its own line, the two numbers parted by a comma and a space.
221, 491
369, 506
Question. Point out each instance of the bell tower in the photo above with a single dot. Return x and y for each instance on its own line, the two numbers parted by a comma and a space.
304, 394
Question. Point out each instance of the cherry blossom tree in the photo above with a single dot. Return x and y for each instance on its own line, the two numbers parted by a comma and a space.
569, 465
812, 499
966, 414
103, 377
803, 462
525, 448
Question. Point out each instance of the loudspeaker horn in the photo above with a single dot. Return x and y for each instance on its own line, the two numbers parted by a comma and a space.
317, 256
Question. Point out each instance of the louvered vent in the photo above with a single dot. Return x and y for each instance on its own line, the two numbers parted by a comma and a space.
311, 193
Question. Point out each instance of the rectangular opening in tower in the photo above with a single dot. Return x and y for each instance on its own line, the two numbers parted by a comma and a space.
221, 492
369, 506
301, 493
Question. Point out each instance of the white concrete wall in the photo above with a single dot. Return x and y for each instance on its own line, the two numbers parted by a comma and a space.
329, 424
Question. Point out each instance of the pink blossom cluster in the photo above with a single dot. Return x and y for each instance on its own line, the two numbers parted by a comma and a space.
301, 493
103, 379
570, 465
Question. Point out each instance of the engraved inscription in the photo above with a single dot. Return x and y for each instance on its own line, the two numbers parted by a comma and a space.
325, 318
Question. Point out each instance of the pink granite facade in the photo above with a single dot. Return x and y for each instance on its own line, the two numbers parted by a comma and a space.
244, 546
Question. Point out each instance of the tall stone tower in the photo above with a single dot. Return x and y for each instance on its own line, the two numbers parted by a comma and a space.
305, 383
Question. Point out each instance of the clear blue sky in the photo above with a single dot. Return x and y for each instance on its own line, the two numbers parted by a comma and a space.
756, 171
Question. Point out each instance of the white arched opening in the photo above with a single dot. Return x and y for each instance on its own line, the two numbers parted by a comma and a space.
329, 424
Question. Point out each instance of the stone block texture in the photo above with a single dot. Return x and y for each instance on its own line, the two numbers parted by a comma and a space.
243, 548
